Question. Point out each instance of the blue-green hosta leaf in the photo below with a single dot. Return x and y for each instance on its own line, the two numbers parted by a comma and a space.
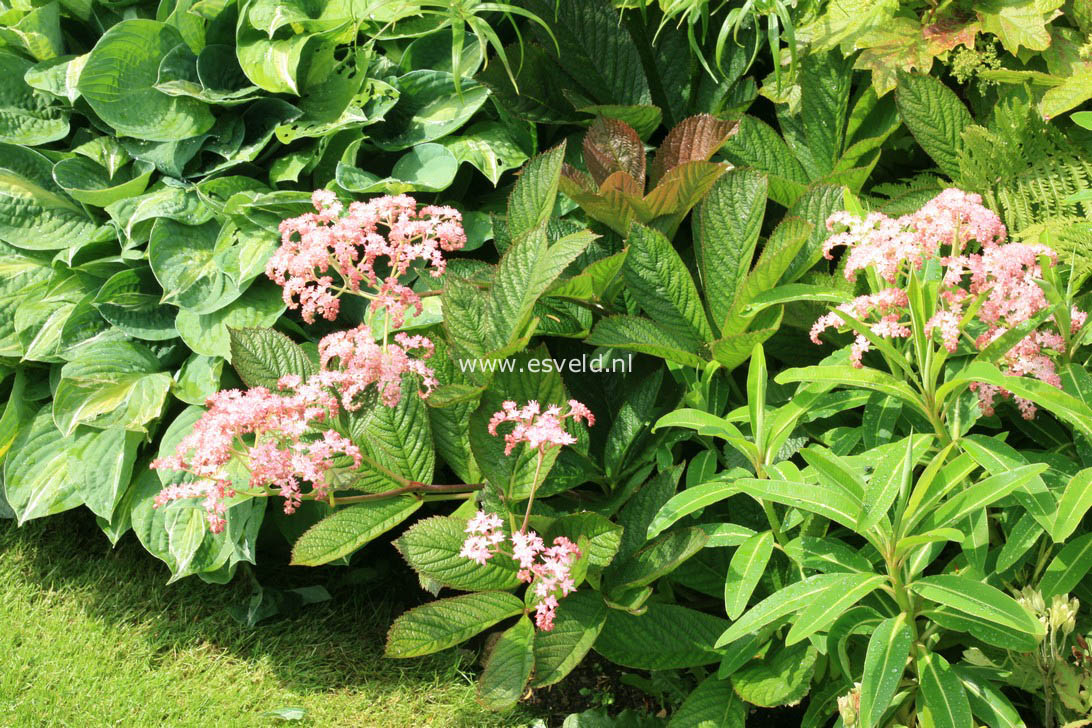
432, 548
781, 679
35, 213
110, 384
509, 668
27, 116
130, 300
119, 79
659, 280
447, 622
712, 704
208, 334
579, 620
188, 262
665, 637
726, 229
198, 379
24, 276
90, 183
36, 478
346, 530
489, 146
429, 108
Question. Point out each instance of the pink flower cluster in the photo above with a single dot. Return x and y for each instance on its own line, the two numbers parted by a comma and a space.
372, 244
1003, 275
539, 429
548, 567
271, 432
282, 436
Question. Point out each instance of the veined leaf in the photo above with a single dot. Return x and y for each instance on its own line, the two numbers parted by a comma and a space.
744, 572
688, 501
866, 378
344, 531
579, 620
665, 637
262, 356
713, 704
432, 546
943, 699
885, 662
821, 614
964, 594
935, 116
660, 282
532, 199
634, 333
447, 622
509, 668
36, 478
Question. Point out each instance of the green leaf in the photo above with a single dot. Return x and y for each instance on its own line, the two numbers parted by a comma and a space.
429, 108
209, 334
119, 80
100, 462
745, 571
1072, 506
130, 300
35, 213
815, 205
658, 558
1068, 567
346, 530
694, 139
1018, 24
509, 667
489, 146
966, 595
935, 116
790, 599
712, 704
110, 384
447, 622
602, 536
579, 620
188, 261
834, 472
432, 546
820, 615
398, 438
36, 477
828, 502
638, 334
262, 356
532, 199
27, 116
781, 679
659, 280
988, 703
980, 495
88, 182
665, 637
885, 662
943, 700
866, 378
757, 145
888, 476
687, 502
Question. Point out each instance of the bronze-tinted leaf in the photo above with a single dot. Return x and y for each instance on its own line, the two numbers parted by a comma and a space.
613, 146
695, 138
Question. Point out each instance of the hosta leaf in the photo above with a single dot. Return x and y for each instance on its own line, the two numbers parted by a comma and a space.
659, 280
488, 146
666, 637
966, 595
208, 334
188, 261
27, 116
101, 464
119, 79
432, 548
447, 622
935, 116
579, 620
23, 277
110, 384
35, 213
613, 146
726, 230
262, 356
885, 662
429, 107
712, 704
36, 478
509, 667
745, 571
346, 530
696, 138
1068, 567
781, 679
943, 700
90, 183
130, 300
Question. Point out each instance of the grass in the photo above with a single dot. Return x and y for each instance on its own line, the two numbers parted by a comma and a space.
93, 636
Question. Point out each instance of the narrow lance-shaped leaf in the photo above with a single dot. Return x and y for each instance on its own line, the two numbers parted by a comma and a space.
885, 661
744, 572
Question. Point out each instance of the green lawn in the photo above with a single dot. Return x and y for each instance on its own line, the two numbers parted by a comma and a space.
93, 636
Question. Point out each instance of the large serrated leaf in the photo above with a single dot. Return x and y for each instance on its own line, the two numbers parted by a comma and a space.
696, 138
781, 679
532, 199
757, 145
447, 622
509, 668
346, 530
613, 146
642, 335
935, 116
399, 438
579, 620
262, 356
662, 285
665, 637
432, 548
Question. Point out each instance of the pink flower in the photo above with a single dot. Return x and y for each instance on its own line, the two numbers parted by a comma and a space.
539, 429
362, 363
371, 244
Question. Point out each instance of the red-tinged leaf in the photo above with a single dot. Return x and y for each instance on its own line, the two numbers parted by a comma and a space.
900, 46
680, 189
696, 138
575, 180
948, 32
624, 183
612, 146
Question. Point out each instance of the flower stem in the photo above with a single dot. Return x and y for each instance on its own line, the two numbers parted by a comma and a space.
534, 487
